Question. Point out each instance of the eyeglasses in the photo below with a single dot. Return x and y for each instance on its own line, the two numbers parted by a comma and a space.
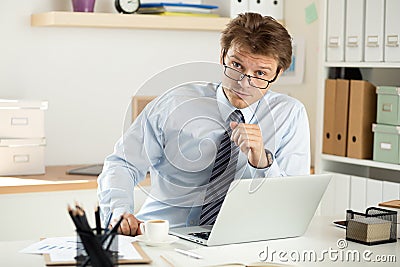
256, 82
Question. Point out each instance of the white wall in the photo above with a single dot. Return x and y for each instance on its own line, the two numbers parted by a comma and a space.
89, 75
307, 91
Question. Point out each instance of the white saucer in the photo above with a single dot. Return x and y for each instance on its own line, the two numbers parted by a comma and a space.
170, 239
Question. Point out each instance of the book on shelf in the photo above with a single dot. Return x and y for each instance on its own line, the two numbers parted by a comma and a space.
210, 15
161, 7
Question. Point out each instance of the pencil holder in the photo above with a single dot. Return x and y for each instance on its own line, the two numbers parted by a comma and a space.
97, 250
375, 226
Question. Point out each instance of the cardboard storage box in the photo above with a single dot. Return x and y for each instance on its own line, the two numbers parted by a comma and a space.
388, 111
362, 113
22, 119
337, 92
22, 156
386, 143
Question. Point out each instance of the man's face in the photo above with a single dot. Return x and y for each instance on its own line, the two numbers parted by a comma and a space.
240, 93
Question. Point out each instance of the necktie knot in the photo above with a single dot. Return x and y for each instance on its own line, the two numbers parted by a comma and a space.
236, 116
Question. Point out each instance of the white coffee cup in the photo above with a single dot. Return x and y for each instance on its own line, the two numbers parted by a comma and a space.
155, 230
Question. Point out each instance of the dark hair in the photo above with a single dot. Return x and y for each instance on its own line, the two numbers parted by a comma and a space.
261, 35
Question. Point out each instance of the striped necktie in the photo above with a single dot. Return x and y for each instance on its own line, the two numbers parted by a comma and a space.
222, 174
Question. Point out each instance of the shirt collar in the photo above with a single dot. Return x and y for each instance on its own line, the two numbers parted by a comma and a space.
226, 108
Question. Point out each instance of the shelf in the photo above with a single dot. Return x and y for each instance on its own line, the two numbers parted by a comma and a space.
55, 179
363, 64
361, 162
136, 21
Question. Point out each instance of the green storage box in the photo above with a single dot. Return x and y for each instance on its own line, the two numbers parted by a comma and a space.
388, 107
386, 143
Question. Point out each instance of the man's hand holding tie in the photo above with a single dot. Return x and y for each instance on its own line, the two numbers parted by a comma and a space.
249, 139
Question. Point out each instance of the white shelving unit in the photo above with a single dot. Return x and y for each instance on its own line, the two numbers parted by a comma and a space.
379, 73
135, 21
361, 162
362, 64
357, 183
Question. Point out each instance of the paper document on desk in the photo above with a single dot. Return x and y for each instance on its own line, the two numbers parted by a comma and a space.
234, 255
50, 245
182, 261
63, 249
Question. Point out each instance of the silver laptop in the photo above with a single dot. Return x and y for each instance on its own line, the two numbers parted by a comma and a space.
262, 209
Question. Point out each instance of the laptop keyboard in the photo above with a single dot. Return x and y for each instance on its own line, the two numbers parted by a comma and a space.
202, 235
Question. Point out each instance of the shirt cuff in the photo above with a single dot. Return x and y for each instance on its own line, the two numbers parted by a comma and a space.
117, 213
270, 159
261, 172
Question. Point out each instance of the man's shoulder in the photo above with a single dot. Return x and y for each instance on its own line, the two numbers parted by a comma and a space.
192, 89
183, 96
275, 98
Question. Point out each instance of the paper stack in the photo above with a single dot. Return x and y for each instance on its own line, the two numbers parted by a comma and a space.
178, 9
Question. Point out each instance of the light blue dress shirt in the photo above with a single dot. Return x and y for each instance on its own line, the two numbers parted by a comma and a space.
176, 138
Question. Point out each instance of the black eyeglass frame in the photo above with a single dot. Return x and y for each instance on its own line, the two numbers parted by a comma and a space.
249, 77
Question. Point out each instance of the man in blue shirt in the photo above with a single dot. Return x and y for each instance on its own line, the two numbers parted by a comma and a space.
177, 136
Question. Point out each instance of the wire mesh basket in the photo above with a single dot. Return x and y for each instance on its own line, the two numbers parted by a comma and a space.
375, 226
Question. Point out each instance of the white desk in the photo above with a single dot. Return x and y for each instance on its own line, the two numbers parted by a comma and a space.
321, 235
